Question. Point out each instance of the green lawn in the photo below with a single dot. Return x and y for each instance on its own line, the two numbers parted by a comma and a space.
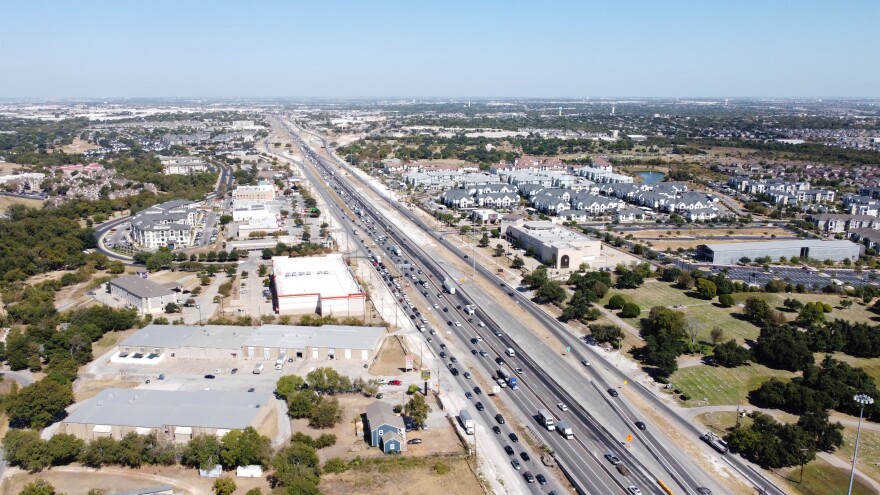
869, 450
857, 313
702, 313
821, 478
722, 386
870, 365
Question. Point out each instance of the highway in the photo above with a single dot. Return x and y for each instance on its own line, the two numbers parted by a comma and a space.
581, 458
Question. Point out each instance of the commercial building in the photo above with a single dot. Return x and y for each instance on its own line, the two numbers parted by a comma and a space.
260, 192
384, 429
144, 295
183, 165
173, 414
565, 249
265, 343
164, 225
316, 284
732, 253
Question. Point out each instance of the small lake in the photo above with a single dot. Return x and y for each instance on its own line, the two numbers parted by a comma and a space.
651, 177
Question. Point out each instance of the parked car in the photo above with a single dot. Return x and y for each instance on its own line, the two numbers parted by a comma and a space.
210, 377
233, 371
395, 382
414, 441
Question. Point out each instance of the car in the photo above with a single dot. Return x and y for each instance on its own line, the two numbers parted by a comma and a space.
380, 396
457, 323
453, 359
251, 389
466, 256
467, 375
500, 419
443, 346
525, 456
496, 429
541, 479
513, 438
562, 406
468, 395
613, 459
483, 353
442, 355
210, 377
585, 362
474, 352
529, 478
481, 324
633, 490
477, 390
395, 382
499, 361
508, 449
516, 465
435, 304
454, 372
414, 441
381, 381
519, 371
612, 392
640, 425
704, 491
479, 406
233, 371
445, 309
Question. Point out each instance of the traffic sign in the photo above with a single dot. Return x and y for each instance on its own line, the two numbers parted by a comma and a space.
426, 375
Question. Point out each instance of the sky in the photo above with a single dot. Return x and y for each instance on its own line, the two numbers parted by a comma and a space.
442, 48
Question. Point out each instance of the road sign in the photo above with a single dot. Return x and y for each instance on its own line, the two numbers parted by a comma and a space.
426, 375
410, 359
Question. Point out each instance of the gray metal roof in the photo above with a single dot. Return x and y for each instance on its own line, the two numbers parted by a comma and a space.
786, 244
158, 336
158, 408
329, 336
141, 287
380, 413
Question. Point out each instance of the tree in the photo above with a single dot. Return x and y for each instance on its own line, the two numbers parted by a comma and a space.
685, 281
783, 348
757, 311
172, 308
536, 278
611, 334
326, 413
499, 250
716, 334
412, 389
301, 404
38, 404
726, 300
64, 448
201, 452
288, 384
730, 354
38, 487
225, 219
517, 262
417, 409
629, 280
159, 260
297, 466
484, 241
616, 302
811, 314
24, 448
631, 310
224, 486
244, 448
665, 321
550, 292
706, 289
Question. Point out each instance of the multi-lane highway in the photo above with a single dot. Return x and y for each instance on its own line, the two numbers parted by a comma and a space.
548, 380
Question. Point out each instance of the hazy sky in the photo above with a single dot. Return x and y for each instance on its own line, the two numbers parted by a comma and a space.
417, 48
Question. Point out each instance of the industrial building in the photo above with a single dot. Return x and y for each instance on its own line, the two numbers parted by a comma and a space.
145, 296
265, 343
260, 192
174, 414
316, 284
564, 248
732, 253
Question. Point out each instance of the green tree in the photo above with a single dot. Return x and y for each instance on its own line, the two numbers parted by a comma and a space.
716, 334
224, 486
64, 448
288, 384
730, 354
244, 448
616, 302
706, 289
517, 262
38, 404
297, 465
25, 448
326, 413
631, 310
811, 314
726, 300
225, 219
499, 250
301, 404
38, 487
757, 311
685, 281
611, 334
550, 292
201, 452
484, 241
417, 409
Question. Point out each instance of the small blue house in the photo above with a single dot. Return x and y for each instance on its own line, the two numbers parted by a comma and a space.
384, 429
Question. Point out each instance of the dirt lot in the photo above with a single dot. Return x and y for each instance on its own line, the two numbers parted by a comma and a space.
77, 480
405, 475
391, 360
78, 146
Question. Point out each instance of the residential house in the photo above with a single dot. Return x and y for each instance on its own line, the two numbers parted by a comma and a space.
384, 429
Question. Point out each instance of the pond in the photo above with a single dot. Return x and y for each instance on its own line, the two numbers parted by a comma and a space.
651, 177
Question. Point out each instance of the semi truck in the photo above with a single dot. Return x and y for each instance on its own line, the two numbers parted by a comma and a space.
466, 422
395, 250
715, 441
565, 429
503, 373
448, 286
547, 419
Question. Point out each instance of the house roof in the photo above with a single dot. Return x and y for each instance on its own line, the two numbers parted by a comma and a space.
380, 413
141, 287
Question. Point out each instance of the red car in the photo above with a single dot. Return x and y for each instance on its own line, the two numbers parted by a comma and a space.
395, 382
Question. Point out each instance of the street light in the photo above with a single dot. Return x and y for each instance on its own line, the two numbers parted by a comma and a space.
863, 400
199, 307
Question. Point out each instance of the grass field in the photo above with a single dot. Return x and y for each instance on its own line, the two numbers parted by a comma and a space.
821, 478
7, 201
869, 450
704, 314
403, 474
858, 312
722, 386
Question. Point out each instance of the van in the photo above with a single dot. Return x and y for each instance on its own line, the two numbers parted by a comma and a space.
258, 369
510, 352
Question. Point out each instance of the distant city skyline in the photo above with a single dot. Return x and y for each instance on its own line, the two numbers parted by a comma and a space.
349, 49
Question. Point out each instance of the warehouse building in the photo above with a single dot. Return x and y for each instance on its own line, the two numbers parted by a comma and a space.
173, 414
265, 343
145, 296
316, 284
732, 253
565, 249
261, 192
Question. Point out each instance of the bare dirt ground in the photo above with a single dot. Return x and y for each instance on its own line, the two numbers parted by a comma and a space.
406, 476
89, 389
391, 360
78, 146
78, 480
704, 233
7, 168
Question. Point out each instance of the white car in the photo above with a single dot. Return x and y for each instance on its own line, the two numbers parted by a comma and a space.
380, 381
481, 324
457, 323
634, 490
562, 406
436, 305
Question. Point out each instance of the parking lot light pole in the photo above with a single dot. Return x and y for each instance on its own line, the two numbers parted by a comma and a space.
863, 400
199, 307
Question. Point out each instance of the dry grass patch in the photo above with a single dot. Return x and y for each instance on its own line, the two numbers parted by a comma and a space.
405, 475
391, 359
89, 389
7, 201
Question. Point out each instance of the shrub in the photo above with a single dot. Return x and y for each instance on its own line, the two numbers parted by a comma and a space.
616, 302
335, 465
441, 468
631, 310
726, 300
